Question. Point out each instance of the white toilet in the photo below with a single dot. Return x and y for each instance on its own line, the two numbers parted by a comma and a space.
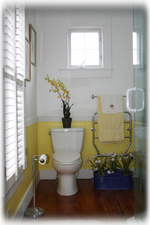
67, 145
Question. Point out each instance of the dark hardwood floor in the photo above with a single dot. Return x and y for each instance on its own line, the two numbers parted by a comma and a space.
87, 203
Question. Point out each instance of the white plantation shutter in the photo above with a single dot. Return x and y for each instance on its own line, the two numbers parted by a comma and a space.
20, 74
20, 128
9, 93
10, 127
8, 45
13, 62
20, 39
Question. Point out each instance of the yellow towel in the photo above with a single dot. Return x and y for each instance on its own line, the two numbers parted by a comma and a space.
110, 126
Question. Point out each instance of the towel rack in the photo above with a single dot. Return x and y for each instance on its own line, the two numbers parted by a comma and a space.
93, 129
94, 96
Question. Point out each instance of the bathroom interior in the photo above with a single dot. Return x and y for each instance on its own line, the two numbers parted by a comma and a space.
123, 67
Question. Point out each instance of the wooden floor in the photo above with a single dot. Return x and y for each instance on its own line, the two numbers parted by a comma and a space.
87, 203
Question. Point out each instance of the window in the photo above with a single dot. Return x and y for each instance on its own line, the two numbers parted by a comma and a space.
13, 64
136, 55
85, 48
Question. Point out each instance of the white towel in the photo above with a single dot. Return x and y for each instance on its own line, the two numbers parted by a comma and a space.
111, 104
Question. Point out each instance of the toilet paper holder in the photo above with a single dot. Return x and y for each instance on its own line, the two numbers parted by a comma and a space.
36, 211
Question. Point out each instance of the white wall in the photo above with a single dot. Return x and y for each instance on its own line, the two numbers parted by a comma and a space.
31, 87
51, 51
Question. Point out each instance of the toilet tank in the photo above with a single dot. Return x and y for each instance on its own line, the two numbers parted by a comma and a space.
70, 139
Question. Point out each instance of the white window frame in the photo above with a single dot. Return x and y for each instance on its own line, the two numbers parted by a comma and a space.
85, 29
16, 77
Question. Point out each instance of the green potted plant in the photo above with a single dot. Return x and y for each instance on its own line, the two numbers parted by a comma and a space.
112, 171
125, 162
58, 87
98, 164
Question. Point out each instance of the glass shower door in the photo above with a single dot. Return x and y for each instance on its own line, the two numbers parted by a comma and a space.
140, 116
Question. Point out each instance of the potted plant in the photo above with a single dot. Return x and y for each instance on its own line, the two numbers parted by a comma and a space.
112, 171
58, 87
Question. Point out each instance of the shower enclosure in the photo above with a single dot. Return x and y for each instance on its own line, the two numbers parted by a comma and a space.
139, 96
140, 116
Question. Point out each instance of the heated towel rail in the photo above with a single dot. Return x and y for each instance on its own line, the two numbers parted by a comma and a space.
93, 129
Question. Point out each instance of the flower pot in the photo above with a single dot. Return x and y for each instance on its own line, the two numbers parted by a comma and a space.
66, 122
113, 181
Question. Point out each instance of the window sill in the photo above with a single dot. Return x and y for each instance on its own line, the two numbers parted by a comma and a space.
85, 73
85, 68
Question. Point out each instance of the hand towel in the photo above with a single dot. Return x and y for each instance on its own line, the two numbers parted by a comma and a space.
111, 103
110, 126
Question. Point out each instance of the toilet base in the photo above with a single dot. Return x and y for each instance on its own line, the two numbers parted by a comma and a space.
67, 184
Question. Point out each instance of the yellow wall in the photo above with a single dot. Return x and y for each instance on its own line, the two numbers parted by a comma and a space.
45, 145
38, 142
32, 148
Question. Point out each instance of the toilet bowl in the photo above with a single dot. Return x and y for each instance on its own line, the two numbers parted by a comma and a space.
67, 169
67, 145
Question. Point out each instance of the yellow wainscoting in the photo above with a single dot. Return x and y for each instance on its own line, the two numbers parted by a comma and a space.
45, 144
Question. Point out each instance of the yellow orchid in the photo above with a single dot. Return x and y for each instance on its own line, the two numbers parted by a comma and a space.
63, 94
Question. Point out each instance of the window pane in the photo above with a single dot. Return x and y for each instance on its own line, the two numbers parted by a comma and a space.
135, 45
77, 40
77, 57
135, 57
91, 57
92, 40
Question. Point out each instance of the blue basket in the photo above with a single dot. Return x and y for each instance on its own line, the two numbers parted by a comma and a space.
113, 181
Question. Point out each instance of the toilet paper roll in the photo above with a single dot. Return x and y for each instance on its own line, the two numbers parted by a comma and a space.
42, 159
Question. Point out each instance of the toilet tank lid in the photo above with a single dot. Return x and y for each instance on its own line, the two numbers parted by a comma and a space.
75, 129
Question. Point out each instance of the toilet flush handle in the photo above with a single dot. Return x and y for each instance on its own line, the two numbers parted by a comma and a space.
49, 133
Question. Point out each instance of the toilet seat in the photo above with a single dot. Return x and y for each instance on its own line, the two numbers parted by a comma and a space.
66, 157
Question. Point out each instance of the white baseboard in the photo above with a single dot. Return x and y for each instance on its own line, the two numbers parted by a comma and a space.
51, 174
24, 203
85, 174
47, 174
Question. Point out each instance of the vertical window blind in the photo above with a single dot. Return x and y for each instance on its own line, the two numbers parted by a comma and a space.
14, 67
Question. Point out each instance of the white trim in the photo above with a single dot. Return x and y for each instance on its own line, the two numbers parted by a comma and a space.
31, 121
51, 174
85, 73
34, 120
58, 118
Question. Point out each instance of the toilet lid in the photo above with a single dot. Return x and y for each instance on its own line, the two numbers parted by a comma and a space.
66, 156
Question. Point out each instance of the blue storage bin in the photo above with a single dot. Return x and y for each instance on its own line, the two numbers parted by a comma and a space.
113, 181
